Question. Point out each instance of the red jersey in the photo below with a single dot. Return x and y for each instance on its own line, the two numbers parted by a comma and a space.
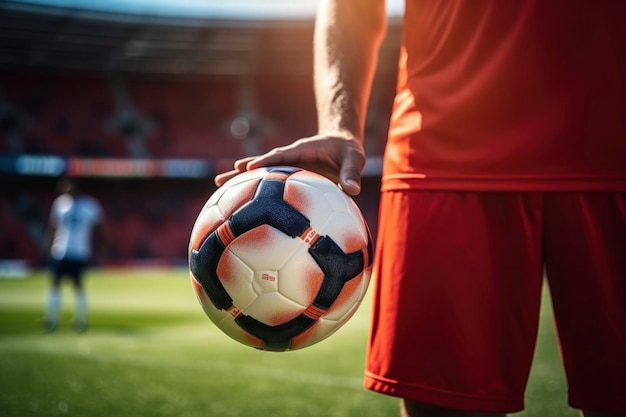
510, 96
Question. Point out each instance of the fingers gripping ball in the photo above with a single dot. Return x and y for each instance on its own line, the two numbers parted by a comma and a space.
280, 258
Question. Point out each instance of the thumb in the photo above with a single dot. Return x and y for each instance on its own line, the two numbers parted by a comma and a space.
350, 173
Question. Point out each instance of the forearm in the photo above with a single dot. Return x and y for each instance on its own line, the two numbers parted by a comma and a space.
347, 37
48, 239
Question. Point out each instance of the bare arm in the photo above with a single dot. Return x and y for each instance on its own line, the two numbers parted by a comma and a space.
347, 37
49, 239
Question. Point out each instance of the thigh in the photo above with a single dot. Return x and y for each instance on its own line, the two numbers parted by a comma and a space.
585, 244
76, 273
456, 298
70, 269
56, 271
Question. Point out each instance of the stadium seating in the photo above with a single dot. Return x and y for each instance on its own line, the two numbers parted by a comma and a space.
177, 117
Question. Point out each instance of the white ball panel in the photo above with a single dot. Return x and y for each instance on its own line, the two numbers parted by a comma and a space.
235, 184
300, 278
322, 329
342, 229
213, 214
367, 277
358, 220
236, 196
273, 309
236, 277
334, 196
306, 198
264, 248
337, 199
264, 281
232, 329
209, 309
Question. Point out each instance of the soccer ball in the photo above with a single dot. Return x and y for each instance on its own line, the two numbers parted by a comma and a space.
280, 258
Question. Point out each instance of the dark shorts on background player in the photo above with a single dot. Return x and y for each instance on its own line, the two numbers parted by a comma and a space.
67, 268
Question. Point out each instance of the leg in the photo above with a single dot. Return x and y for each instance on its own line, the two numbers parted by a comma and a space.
410, 408
81, 297
51, 320
81, 310
585, 237
456, 299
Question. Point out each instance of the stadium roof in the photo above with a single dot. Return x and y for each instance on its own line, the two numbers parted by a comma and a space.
217, 37
214, 9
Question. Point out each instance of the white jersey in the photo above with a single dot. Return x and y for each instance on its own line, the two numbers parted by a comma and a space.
74, 219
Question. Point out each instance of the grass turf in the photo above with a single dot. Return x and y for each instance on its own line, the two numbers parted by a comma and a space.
150, 351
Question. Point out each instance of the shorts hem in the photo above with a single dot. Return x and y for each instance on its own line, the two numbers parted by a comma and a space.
597, 404
394, 182
443, 398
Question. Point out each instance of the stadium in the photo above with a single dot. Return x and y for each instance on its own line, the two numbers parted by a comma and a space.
144, 103
150, 105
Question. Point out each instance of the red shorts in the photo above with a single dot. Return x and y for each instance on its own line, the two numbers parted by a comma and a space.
457, 289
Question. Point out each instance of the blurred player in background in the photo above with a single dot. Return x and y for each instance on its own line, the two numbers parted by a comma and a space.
506, 156
75, 229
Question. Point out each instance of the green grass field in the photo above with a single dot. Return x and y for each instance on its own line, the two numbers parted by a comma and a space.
150, 351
